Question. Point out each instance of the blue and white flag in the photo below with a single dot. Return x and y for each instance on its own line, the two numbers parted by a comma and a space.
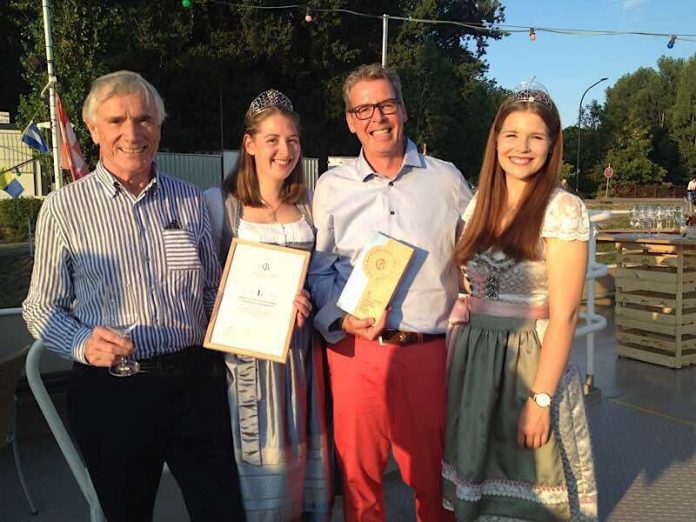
9, 183
32, 137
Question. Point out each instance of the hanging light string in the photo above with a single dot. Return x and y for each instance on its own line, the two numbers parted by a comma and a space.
498, 29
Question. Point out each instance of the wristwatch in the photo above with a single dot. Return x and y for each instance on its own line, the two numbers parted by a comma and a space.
542, 399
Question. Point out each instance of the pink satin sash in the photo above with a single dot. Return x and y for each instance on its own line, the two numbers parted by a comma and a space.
466, 305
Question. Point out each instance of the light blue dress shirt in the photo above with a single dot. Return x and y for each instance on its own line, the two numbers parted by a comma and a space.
422, 206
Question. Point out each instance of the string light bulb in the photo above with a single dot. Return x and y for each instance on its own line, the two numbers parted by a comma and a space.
673, 39
308, 16
532, 34
186, 3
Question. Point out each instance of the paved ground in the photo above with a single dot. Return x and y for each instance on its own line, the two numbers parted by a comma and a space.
14, 248
643, 428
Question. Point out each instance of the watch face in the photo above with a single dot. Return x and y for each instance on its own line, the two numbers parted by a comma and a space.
542, 399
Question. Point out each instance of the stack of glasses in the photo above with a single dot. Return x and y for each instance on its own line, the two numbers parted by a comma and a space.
657, 218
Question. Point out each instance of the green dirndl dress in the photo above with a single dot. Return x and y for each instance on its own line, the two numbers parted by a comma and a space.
492, 365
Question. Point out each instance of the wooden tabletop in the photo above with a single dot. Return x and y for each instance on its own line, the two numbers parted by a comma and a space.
657, 239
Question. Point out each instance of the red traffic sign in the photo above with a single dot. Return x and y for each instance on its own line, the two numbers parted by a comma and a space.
608, 172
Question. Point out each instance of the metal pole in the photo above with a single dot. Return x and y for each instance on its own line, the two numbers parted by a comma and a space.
222, 140
31, 239
589, 387
57, 173
385, 32
577, 161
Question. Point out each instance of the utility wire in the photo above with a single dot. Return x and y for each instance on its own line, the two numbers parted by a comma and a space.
500, 28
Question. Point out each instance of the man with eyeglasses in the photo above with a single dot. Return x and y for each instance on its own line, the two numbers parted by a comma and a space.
387, 373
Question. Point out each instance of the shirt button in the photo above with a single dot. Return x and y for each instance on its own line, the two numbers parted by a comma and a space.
392, 212
391, 183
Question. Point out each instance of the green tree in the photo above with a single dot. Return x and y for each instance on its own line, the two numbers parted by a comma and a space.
209, 61
11, 85
630, 160
645, 98
450, 106
684, 118
594, 145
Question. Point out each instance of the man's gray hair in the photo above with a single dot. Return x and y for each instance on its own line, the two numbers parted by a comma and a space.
120, 83
370, 72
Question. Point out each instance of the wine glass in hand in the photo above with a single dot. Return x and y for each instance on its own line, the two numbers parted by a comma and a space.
121, 319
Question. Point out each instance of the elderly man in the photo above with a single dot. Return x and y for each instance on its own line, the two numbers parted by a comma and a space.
387, 373
130, 246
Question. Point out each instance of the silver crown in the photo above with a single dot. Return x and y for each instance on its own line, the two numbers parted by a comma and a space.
530, 91
268, 99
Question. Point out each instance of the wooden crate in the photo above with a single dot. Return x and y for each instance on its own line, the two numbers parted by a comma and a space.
656, 300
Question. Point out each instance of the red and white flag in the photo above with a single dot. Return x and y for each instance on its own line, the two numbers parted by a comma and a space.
70, 154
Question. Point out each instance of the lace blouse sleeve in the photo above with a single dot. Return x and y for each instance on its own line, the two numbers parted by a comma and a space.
566, 218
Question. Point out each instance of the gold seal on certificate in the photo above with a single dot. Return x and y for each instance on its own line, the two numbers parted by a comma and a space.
254, 312
375, 277
379, 264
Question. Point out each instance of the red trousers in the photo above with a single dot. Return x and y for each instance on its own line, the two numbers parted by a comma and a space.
389, 396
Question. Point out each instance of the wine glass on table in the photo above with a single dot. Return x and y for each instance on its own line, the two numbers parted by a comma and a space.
121, 318
659, 219
635, 217
680, 217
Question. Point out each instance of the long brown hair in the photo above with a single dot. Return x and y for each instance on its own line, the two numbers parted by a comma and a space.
520, 238
243, 182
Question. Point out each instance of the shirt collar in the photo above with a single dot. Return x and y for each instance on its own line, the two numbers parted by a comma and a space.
412, 158
114, 187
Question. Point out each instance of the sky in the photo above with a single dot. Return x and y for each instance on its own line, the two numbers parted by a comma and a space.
569, 64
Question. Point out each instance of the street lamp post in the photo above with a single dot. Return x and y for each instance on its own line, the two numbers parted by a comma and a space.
577, 161
385, 32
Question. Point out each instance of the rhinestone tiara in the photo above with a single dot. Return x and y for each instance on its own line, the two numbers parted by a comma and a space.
530, 91
268, 99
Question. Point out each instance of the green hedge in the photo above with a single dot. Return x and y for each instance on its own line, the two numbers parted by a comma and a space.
14, 214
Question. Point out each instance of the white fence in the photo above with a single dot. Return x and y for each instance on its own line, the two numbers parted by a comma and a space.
201, 170
208, 170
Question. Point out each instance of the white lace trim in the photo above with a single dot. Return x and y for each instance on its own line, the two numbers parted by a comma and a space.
474, 491
566, 218
276, 233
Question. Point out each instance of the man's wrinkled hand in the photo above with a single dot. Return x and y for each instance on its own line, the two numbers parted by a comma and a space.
105, 346
366, 328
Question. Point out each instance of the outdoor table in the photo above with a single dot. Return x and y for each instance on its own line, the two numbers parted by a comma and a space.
655, 297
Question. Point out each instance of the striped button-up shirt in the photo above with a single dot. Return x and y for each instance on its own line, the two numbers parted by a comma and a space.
107, 257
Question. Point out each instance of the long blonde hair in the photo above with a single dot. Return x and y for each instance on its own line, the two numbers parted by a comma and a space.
520, 238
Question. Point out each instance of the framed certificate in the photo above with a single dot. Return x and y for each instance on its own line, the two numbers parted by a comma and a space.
254, 312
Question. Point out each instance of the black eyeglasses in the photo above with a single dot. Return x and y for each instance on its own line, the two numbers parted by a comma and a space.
386, 107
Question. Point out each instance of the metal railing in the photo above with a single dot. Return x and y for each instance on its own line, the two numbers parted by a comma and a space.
65, 442
593, 322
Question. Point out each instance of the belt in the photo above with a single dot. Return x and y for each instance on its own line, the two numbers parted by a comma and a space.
168, 362
400, 338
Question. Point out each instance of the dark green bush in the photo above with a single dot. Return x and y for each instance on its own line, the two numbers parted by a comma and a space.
14, 214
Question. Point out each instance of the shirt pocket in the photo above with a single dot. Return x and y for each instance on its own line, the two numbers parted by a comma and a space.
181, 250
